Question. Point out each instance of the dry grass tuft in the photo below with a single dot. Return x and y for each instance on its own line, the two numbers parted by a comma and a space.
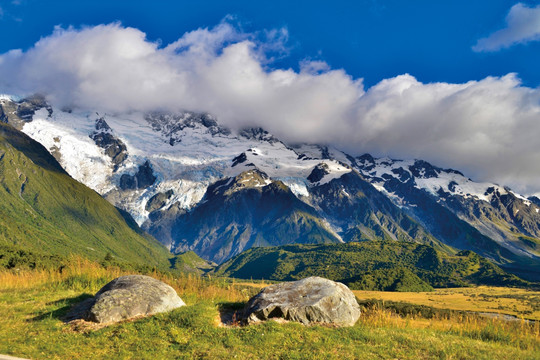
83, 274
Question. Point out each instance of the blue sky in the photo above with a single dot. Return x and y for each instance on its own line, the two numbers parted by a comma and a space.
431, 40
453, 82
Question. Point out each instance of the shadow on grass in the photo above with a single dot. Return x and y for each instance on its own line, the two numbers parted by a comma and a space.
60, 313
231, 313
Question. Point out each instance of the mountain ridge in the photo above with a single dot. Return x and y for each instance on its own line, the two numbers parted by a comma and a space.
190, 152
369, 265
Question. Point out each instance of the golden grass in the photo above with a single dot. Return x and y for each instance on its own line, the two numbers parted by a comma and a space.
522, 332
25, 279
93, 274
521, 303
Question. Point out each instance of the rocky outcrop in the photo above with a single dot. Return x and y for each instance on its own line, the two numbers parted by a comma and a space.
308, 301
105, 139
17, 113
318, 173
158, 201
239, 159
257, 134
172, 125
127, 297
141, 180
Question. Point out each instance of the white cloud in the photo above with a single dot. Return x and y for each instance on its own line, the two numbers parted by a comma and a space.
488, 129
522, 26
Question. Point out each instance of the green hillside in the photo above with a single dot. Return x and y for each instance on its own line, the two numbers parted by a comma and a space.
369, 265
43, 209
191, 263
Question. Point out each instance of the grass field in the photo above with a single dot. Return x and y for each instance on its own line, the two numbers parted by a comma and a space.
511, 301
32, 305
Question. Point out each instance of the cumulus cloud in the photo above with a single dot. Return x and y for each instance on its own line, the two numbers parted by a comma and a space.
487, 128
522, 26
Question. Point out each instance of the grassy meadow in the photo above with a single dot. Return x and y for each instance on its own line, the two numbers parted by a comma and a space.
33, 302
521, 303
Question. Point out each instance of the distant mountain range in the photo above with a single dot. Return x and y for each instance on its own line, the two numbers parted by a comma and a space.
196, 185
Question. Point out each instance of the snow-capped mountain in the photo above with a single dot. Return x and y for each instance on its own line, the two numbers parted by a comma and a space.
497, 212
178, 175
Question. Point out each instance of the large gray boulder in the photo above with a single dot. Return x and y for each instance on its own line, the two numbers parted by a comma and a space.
127, 297
310, 300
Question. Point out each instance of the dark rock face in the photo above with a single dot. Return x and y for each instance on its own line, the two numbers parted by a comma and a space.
403, 175
159, 200
308, 301
423, 169
127, 297
535, 200
325, 154
239, 159
3, 115
17, 113
114, 147
365, 162
318, 173
141, 180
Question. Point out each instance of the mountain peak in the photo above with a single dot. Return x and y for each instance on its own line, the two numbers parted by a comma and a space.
172, 125
246, 180
258, 134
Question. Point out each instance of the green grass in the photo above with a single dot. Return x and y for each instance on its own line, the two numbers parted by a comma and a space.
32, 328
32, 305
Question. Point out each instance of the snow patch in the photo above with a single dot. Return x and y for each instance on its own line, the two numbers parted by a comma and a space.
526, 201
449, 182
336, 170
6, 97
80, 156
297, 185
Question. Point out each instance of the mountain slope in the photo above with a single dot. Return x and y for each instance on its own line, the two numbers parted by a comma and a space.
43, 208
245, 211
189, 262
360, 212
369, 265
482, 217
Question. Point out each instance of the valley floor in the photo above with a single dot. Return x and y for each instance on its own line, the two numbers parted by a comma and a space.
519, 303
32, 305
